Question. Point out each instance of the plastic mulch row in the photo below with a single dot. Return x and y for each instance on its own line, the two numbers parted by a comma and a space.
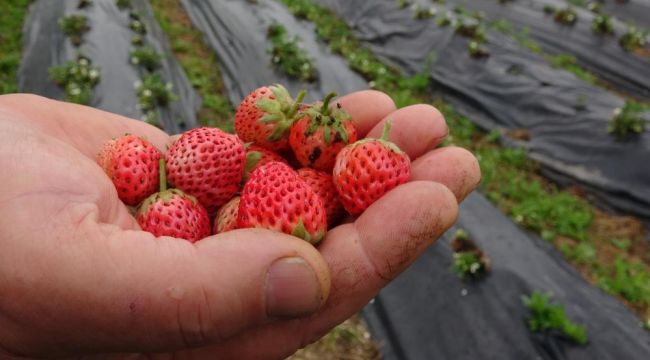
566, 117
107, 44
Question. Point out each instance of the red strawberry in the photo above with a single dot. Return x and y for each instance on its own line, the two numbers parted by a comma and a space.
226, 219
173, 213
132, 164
257, 156
265, 116
276, 198
318, 136
366, 170
207, 163
323, 185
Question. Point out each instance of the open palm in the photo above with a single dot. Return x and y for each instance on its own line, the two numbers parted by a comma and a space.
79, 278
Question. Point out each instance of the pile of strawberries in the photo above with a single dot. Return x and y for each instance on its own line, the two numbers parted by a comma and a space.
248, 180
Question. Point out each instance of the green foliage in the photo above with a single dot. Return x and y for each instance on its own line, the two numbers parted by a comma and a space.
74, 27
545, 316
77, 78
403, 4
123, 4
84, 4
136, 24
566, 16
628, 279
569, 63
603, 24
147, 57
467, 265
11, 23
288, 56
152, 93
634, 38
623, 244
423, 12
628, 121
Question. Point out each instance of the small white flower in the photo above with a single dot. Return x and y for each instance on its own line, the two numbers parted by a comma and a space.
93, 74
147, 93
137, 84
83, 62
135, 60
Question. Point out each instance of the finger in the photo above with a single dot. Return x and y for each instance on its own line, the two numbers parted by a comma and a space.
454, 167
416, 129
86, 128
130, 292
363, 257
366, 108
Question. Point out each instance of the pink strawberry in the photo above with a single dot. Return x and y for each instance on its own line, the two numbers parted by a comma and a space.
207, 163
173, 213
257, 156
276, 198
366, 170
323, 185
132, 165
320, 134
226, 219
265, 116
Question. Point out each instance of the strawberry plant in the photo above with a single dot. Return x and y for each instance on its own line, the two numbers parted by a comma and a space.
136, 24
153, 92
423, 12
628, 121
74, 27
123, 4
603, 24
467, 264
548, 317
469, 260
77, 78
634, 38
403, 4
288, 56
566, 16
147, 57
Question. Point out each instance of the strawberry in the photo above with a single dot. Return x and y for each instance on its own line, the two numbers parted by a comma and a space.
276, 198
226, 219
320, 134
265, 116
366, 170
207, 163
173, 213
257, 156
132, 165
323, 185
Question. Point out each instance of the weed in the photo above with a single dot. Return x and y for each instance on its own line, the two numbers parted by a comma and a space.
628, 121
288, 56
11, 23
623, 244
74, 27
569, 63
77, 78
545, 316
628, 279
147, 57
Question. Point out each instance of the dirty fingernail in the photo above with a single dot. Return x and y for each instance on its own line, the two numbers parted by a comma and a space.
292, 288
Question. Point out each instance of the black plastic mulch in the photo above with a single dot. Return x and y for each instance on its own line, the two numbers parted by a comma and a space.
107, 44
236, 30
429, 313
566, 117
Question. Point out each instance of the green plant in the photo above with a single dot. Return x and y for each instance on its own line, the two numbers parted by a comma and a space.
603, 24
549, 9
152, 93
147, 57
74, 27
137, 40
467, 264
11, 23
77, 78
288, 56
628, 121
634, 38
403, 4
566, 16
569, 63
623, 244
628, 279
84, 3
136, 24
476, 50
594, 6
545, 316
423, 12
123, 4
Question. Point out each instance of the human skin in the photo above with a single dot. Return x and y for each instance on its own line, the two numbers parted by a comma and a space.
79, 279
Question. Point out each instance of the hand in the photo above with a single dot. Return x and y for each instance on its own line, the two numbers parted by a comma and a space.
78, 277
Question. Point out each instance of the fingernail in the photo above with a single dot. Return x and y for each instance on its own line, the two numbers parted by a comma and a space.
292, 288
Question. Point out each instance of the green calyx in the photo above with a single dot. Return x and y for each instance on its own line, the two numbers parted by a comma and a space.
330, 120
165, 195
281, 111
383, 140
301, 232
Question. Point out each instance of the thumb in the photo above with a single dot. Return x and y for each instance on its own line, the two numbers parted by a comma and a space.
131, 292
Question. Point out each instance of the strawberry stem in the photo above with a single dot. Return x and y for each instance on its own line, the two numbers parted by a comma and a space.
387, 126
325, 110
296, 105
163, 175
